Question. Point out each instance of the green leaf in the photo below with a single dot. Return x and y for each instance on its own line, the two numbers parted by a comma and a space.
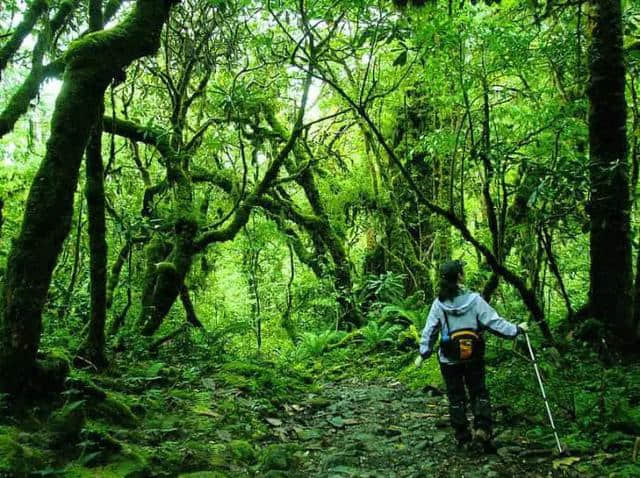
401, 60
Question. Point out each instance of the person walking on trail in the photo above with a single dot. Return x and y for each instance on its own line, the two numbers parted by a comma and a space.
460, 317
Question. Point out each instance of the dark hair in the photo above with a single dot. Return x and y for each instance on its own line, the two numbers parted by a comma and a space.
449, 274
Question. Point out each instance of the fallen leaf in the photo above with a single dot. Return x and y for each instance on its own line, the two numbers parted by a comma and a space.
276, 422
281, 433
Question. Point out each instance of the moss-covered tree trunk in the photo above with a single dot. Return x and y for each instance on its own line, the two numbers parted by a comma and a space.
91, 64
611, 283
170, 276
155, 253
349, 314
323, 230
93, 347
35, 9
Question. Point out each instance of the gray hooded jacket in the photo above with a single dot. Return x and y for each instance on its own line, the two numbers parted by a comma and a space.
466, 311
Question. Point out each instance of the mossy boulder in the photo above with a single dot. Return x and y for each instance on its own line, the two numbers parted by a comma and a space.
234, 453
242, 451
66, 424
319, 402
279, 457
248, 375
83, 386
408, 339
240, 382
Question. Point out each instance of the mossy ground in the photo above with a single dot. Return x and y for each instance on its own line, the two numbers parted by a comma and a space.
349, 412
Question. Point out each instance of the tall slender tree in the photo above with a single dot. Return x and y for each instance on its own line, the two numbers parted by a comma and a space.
610, 295
93, 348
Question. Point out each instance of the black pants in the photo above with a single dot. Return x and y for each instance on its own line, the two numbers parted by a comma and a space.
471, 374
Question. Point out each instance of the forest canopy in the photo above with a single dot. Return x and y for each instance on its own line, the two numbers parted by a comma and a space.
260, 193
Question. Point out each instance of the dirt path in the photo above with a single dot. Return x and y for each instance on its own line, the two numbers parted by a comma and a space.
354, 429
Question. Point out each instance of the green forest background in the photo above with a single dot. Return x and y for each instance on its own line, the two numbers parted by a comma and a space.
217, 215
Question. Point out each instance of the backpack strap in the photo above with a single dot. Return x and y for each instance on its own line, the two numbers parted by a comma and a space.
446, 319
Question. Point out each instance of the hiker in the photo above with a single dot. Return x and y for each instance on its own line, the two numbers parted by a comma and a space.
461, 316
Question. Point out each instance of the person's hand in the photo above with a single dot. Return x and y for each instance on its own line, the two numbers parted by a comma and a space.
418, 361
523, 326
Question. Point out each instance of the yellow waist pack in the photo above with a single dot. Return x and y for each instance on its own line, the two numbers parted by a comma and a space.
461, 345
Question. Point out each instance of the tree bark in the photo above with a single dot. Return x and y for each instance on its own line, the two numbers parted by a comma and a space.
610, 295
35, 10
1, 215
91, 64
93, 348
189, 309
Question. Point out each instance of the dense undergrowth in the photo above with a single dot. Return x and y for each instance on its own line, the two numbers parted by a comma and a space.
188, 410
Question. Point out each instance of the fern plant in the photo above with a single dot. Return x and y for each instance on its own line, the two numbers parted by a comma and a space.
314, 345
400, 314
375, 335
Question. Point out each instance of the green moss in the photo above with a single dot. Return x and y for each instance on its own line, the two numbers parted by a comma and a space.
247, 369
238, 381
204, 474
264, 378
132, 466
279, 457
97, 438
115, 411
276, 474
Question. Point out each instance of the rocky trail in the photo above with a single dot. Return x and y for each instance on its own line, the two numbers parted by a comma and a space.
382, 429
248, 420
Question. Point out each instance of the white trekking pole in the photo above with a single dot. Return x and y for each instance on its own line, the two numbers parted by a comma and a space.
544, 395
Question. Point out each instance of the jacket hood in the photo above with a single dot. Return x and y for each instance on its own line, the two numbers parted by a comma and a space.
460, 304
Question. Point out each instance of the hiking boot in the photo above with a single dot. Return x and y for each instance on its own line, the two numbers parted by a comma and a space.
483, 438
464, 445
481, 435
463, 438
489, 447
